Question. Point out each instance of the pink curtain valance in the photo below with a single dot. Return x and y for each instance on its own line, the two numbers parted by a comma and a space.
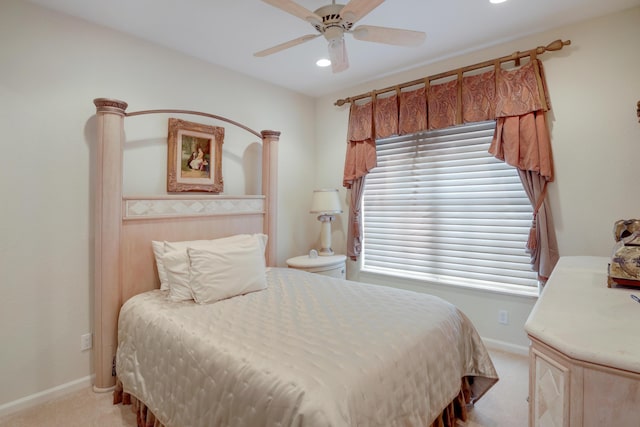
386, 116
522, 136
523, 142
361, 146
443, 105
478, 97
496, 94
413, 111
360, 122
485, 96
521, 90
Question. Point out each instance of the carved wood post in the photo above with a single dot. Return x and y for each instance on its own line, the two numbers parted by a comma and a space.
270, 140
108, 224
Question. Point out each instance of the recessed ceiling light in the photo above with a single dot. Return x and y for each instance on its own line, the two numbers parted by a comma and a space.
323, 62
497, 1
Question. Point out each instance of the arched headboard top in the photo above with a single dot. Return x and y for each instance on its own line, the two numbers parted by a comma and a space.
119, 107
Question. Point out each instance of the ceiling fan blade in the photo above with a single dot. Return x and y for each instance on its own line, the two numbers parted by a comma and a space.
394, 36
295, 9
286, 45
338, 55
357, 9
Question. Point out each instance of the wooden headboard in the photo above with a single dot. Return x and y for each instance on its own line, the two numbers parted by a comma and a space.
125, 226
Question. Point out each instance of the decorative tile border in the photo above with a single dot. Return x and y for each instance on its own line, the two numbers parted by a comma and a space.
149, 208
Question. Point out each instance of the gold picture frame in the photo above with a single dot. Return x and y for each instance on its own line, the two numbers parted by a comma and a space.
194, 160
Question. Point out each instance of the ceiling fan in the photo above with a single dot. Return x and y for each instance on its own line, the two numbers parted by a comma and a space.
333, 20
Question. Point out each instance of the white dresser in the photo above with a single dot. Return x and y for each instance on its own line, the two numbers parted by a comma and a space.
584, 368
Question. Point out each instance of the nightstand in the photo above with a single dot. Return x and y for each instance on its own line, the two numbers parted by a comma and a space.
331, 265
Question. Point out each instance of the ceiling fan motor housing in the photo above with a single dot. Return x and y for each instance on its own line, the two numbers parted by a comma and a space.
333, 25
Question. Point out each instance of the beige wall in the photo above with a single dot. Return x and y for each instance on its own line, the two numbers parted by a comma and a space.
594, 85
52, 67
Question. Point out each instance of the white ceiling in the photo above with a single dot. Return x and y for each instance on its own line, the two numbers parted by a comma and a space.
228, 32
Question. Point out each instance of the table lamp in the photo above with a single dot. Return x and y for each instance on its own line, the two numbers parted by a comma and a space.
325, 203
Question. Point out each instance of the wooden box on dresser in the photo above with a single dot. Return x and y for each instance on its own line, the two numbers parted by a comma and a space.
584, 367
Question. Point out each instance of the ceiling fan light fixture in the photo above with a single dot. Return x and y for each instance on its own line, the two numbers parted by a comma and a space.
338, 55
333, 33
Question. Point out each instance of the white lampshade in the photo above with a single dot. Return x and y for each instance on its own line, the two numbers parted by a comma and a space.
325, 202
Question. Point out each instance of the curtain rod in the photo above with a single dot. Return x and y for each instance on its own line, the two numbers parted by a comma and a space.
553, 46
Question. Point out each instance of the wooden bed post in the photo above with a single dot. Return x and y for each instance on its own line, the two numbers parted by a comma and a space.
108, 228
270, 140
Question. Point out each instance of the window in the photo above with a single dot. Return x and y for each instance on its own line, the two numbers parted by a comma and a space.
439, 207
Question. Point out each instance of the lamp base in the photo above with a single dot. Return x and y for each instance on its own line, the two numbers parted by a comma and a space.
325, 252
325, 235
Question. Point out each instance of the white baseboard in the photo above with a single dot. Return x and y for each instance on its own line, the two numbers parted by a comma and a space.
492, 344
45, 395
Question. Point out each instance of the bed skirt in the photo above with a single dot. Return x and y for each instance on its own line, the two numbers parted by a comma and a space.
455, 410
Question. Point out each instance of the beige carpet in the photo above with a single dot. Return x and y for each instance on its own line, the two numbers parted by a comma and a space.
505, 405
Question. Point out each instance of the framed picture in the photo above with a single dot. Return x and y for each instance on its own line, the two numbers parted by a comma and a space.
194, 161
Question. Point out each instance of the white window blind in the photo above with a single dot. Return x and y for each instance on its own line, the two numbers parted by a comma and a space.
439, 207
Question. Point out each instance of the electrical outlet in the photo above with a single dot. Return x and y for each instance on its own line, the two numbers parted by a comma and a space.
86, 342
503, 317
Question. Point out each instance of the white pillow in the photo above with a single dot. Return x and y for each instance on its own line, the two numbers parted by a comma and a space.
159, 249
223, 272
176, 265
200, 244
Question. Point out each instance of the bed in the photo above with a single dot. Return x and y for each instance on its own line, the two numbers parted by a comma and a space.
276, 347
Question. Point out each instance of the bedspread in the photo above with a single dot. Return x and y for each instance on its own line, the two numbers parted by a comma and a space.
308, 351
